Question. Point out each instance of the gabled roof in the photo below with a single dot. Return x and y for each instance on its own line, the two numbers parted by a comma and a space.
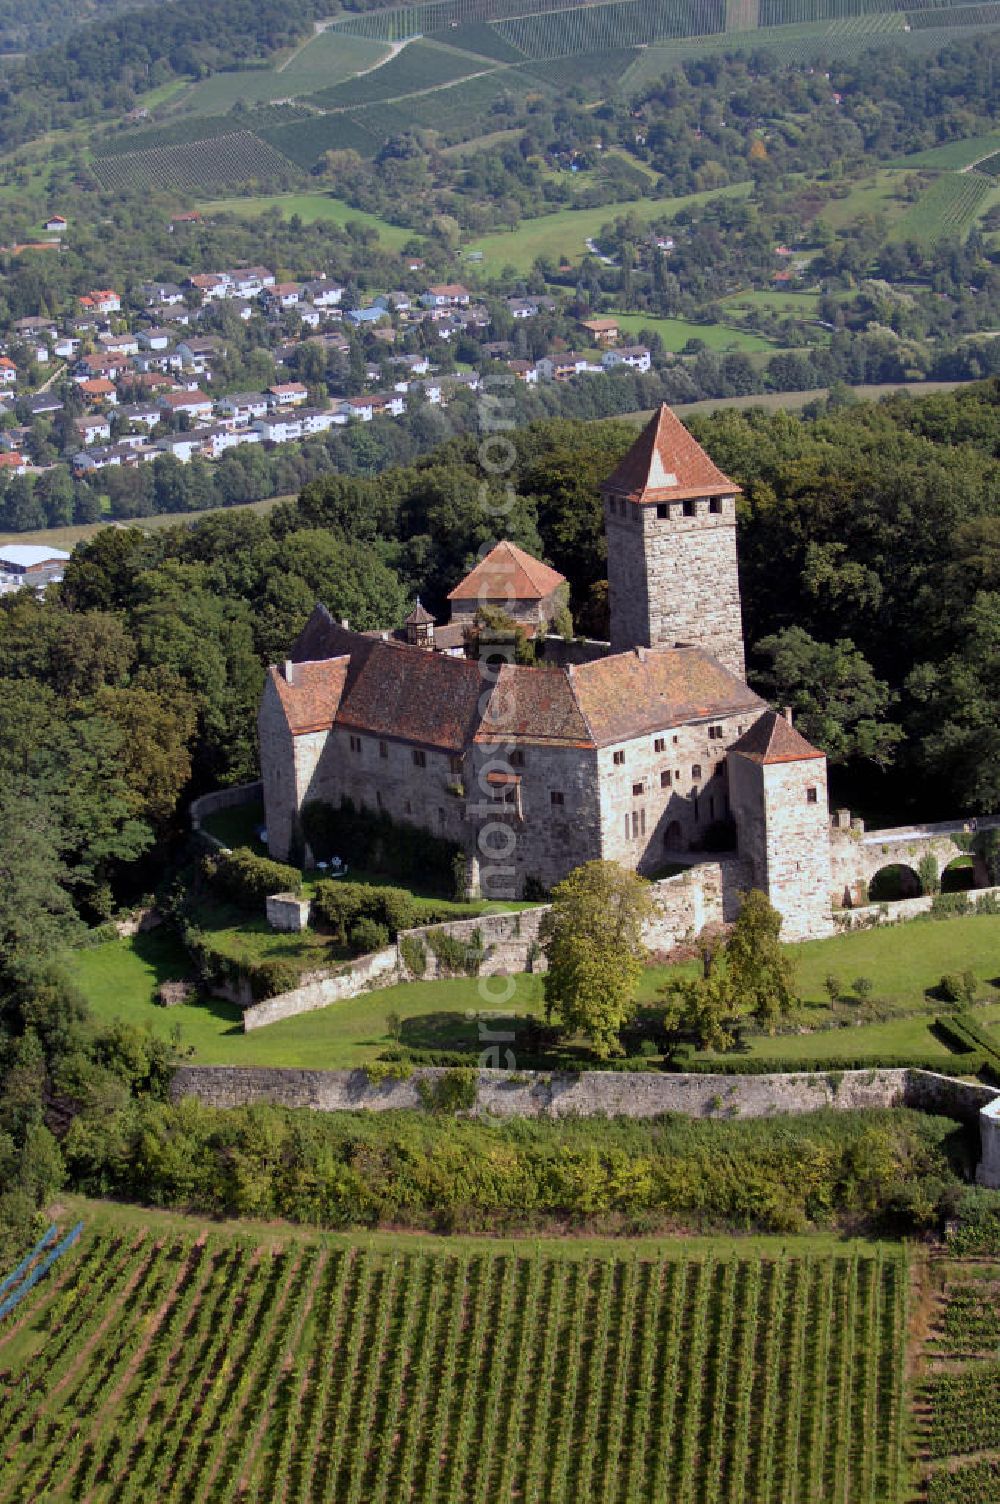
310, 700
508, 573
394, 690
772, 739
391, 689
647, 689
666, 464
419, 617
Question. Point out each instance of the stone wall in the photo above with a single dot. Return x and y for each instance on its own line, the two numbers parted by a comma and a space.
594, 1093
903, 909
379, 969
232, 798
510, 942
988, 1173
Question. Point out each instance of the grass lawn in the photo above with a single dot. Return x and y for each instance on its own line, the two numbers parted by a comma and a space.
312, 207
872, 195
563, 235
801, 304
120, 978
675, 333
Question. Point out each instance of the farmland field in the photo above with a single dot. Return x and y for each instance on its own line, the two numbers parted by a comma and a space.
946, 210
954, 154
420, 65
328, 59
176, 1362
596, 28
225, 160
959, 1389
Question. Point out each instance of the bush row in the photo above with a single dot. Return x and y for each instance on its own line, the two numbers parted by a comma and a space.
242, 878
339, 1169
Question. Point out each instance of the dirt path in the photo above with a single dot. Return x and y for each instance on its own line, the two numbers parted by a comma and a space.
318, 28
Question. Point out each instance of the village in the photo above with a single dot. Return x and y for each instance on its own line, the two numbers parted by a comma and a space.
141, 376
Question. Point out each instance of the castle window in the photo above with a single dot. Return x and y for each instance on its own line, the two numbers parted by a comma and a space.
642, 822
696, 806
637, 789
715, 733
355, 744
635, 825
517, 758
715, 505
627, 826
619, 758
676, 740
383, 749
696, 772
557, 797
419, 758
666, 778
689, 509
660, 744
455, 763
663, 510
812, 796
720, 768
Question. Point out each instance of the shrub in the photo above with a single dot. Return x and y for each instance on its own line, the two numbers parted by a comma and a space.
414, 955
862, 987
929, 873
457, 957
373, 840
455, 1091
368, 935
959, 987
271, 978
831, 983
341, 906
948, 905
245, 879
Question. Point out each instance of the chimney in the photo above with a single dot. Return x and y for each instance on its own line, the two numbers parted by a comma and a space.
640, 653
788, 714
289, 671
345, 624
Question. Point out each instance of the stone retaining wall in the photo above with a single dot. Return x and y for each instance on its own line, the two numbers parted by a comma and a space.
355, 977
594, 1093
901, 909
210, 804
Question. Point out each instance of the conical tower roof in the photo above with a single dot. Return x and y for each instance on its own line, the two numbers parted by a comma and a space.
666, 464
772, 738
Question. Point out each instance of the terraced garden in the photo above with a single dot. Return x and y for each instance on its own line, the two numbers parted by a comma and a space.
946, 210
958, 1396
161, 1364
222, 161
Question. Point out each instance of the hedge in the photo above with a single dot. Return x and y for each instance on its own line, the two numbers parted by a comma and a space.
216, 968
245, 879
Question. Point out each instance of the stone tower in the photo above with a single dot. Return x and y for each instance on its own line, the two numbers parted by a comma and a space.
670, 520
778, 798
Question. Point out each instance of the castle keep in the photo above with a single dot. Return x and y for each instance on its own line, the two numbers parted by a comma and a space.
650, 750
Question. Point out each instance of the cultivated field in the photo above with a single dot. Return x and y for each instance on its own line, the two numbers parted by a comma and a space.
954, 155
327, 60
311, 207
946, 210
225, 160
161, 1365
958, 1435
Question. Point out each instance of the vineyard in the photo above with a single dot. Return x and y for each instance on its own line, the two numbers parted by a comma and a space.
239, 157
960, 1398
177, 1367
944, 211
420, 65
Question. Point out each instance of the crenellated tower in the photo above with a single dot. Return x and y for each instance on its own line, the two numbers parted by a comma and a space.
670, 520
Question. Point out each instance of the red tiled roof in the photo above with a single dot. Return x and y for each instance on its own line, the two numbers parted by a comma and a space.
393, 689
310, 701
536, 704
772, 739
508, 573
630, 694
390, 689
666, 464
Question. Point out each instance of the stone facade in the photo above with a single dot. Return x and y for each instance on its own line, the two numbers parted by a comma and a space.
673, 578
782, 817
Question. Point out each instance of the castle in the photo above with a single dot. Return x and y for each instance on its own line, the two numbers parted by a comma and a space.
643, 751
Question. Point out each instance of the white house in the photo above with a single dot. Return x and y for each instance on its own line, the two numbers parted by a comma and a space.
279, 428
635, 357
322, 293
8, 371
243, 407
446, 295
288, 394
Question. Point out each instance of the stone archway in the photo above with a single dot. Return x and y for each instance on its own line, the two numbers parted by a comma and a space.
960, 875
893, 883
